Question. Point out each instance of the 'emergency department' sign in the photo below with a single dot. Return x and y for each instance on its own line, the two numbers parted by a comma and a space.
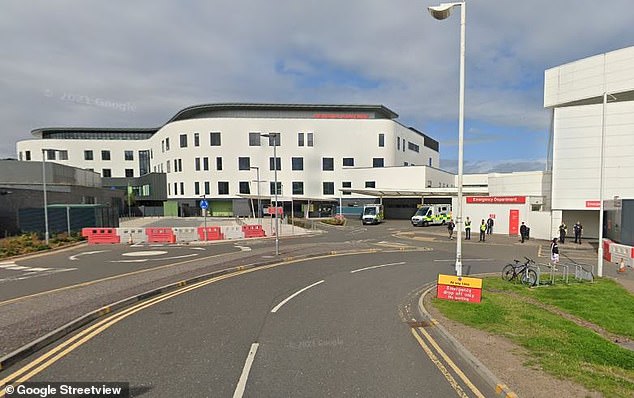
459, 288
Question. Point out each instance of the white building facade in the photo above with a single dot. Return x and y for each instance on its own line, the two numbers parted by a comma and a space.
574, 92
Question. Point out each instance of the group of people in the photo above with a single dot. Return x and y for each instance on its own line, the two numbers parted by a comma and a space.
563, 230
486, 228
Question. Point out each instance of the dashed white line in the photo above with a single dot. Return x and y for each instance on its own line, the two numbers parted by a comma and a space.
286, 300
376, 266
242, 383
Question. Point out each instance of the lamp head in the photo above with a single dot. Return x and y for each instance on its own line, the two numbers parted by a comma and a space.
442, 11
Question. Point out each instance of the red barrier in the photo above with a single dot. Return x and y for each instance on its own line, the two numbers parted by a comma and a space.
160, 235
101, 235
213, 233
606, 250
253, 231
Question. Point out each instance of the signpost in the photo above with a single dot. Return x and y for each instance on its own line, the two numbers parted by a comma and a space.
459, 288
204, 205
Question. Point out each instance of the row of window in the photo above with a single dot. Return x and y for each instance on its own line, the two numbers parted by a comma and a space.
244, 187
410, 145
108, 172
58, 154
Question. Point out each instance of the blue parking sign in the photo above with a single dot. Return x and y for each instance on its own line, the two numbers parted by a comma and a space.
203, 204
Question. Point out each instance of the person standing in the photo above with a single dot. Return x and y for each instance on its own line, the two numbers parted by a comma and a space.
563, 229
489, 226
554, 252
483, 230
450, 228
467, 229
523, 231
578, 231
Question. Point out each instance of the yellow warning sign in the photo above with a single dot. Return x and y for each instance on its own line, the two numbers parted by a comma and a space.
452, 280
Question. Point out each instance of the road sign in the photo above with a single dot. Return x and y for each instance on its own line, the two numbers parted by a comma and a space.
458, 288
204, 204
272, 210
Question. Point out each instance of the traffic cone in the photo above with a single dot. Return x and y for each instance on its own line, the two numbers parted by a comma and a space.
621, 266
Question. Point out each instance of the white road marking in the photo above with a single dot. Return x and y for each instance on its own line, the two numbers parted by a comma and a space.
145, 253
140, 260
242, 383
376, 266
39, 269
154, 259
289, 298
74, 258
243, 248
466, 259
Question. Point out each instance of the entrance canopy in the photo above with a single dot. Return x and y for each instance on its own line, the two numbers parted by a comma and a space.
399, 193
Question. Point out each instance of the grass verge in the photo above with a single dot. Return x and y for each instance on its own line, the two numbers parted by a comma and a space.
31, 243
555, 344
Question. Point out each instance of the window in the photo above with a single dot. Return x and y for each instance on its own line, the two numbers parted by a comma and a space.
168, 163
244, 163
254, 139
106, 173
298, 187
169, 189
105, 155
20, 156
272, 188
300, 139
298, 163
381, 139
27, 155
398, 143
329, 188
206, 163
377, 162
275, 139
370, 184
197, 164
309, 139
223, 188
167, 144
175, 166
275, 163
182, 188
214, 139
196, 188
346, 184
180, 164
129, 172
348, 162
218, 163
129, 155
162, 146
196, 139
327, 164
183, 138
144, 162
207, 188
245, 187
50, 154
428, 183
175, 188
429, 162
413, 147
63, 155
87, 155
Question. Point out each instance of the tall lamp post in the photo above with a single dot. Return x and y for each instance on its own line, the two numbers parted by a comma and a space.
277, 221
441, 12
257, 177
46, 234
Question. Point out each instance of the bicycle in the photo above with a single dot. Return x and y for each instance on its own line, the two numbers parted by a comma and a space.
522, 271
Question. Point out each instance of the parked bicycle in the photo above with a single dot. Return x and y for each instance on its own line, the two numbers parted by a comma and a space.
522, 271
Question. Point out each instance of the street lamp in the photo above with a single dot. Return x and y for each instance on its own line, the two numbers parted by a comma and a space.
601, 207
277, 222
441, 12
257, 177
46, 234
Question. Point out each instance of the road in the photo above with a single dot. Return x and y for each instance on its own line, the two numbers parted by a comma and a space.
342, 336
345, 335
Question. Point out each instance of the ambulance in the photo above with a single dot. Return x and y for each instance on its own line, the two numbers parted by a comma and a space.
372, 214
431, 215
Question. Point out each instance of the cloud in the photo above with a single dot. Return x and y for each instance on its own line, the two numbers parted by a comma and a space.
163, 55
497, 166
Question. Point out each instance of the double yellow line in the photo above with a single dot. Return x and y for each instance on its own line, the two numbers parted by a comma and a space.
421, 335
44, 361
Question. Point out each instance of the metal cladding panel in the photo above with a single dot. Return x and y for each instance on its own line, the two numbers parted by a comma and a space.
589, 78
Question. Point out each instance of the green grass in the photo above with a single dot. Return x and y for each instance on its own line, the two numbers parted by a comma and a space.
558, 346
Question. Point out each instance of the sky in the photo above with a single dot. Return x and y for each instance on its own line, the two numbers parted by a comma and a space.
89, 63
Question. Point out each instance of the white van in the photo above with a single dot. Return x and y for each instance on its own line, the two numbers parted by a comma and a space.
431, 215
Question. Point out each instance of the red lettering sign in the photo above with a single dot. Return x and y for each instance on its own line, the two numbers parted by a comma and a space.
496, 199
271, 210
459, 293
593, 203
341, 116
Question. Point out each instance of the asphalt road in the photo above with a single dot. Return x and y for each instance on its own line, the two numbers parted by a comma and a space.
341, 337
